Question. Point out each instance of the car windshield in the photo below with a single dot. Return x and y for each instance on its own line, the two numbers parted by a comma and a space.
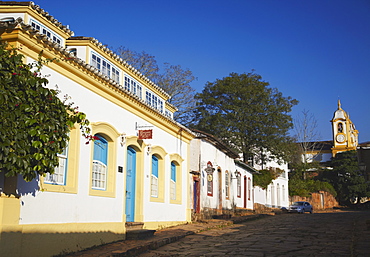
297, 203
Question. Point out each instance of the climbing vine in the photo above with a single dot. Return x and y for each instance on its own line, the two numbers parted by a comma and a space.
35, 122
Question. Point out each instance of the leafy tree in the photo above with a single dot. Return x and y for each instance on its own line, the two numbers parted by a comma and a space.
305, 187
144, 62
348, 180
174, 80
309, 147
34, 122
248, 115
266, 176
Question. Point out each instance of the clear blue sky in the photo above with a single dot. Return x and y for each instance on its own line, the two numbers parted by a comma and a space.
315, 51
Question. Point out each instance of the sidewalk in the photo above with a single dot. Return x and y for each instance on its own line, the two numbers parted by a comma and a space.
161, 237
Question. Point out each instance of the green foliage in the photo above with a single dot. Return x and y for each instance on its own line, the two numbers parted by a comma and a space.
348, 180
173, 79
248, 115
265, 177
304, 170
34, 122
305, 187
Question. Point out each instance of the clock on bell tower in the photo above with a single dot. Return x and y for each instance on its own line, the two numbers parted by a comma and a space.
345, 135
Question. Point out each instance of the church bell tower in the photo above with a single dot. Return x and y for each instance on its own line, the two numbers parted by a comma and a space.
345, 135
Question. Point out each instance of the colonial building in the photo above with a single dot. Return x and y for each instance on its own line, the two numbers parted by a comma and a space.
220, 182
345, 138
137, 170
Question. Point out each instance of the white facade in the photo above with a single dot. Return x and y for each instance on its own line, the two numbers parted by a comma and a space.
223, 183
96, 196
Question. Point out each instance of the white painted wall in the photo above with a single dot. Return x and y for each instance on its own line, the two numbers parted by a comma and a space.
39, 207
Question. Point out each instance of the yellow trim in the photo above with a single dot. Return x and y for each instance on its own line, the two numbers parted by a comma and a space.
111, 135
138, 145
160, 153
124, 68
86, 78
188, 186
176, 158
28, 11
162, 224
30, 240
170, 107
72, 166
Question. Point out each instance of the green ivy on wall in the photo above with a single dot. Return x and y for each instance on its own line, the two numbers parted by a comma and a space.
35, 122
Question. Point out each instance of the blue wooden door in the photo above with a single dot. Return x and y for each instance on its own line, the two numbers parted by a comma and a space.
130, 184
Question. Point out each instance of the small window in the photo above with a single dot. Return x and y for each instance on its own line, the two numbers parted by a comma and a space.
154, 179
59, 176
239, 186
227, 185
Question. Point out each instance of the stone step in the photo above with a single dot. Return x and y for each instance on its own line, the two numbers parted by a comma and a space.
139, 234
134, 226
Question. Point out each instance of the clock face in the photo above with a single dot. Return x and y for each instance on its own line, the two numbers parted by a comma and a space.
209, 177
340, 138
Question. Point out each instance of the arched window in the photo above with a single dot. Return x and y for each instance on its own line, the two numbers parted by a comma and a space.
154, 181
100, 163
173, 181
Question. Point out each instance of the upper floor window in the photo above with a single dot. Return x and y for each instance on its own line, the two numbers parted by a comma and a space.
44, 30
168, 114
100, 161
133, 86
105, 67
154, 101
59, 176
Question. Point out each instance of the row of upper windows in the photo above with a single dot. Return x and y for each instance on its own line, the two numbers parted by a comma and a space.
44, 30
100, 171
108, 69
130, 84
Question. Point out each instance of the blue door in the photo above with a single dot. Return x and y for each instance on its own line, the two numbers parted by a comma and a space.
130, 184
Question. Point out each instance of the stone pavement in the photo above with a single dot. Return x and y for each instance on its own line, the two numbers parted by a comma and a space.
345, 233
161, 237
340, 233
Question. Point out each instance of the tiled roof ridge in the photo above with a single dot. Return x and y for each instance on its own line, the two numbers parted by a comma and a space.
122, 61
42, 12
71, 57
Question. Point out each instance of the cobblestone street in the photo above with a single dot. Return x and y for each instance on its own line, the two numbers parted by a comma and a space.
320, 234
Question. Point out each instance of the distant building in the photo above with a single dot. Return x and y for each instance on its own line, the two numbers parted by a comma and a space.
345, 135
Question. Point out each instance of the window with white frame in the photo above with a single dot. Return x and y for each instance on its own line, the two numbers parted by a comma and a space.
154, 101
168, 114
99, 172
239, 186
249, 188
173, 181
105, 67
227, 185
133, 86
154, 177
47, 32
59, 175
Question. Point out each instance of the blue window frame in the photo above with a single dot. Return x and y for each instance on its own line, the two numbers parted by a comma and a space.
154, 180
100, 162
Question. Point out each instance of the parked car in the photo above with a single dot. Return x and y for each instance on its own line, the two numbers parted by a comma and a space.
301, 207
